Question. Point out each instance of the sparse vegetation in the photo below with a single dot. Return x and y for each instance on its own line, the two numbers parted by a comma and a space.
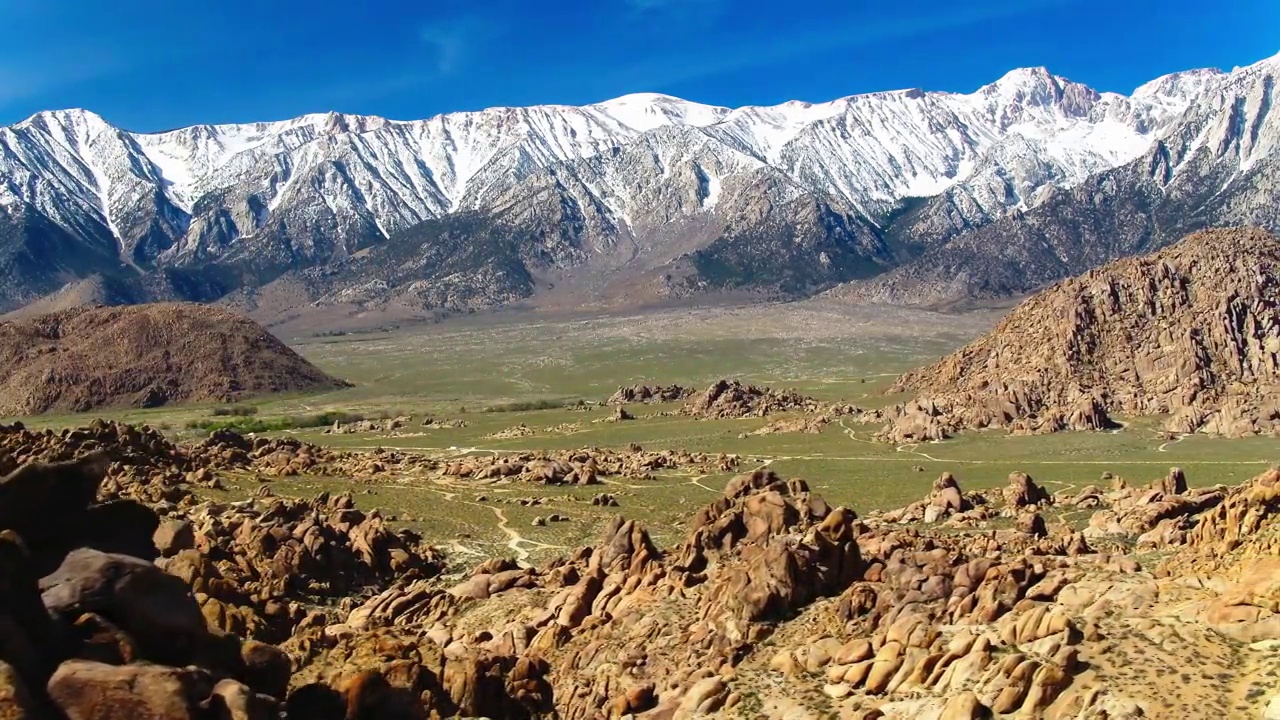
529, 405
444, 372
234, 411
248, 422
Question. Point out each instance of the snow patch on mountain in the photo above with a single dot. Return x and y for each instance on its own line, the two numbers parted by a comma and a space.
318, 187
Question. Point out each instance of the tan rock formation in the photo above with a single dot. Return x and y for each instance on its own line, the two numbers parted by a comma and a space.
1192, 331
776, 604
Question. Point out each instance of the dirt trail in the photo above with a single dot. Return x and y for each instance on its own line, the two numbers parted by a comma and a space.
695, 481
911, 450
607, 481
852, 434
461, 549
912, 457
517, 541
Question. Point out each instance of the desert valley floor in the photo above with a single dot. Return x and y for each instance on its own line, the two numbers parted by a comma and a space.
493, 522
512, 385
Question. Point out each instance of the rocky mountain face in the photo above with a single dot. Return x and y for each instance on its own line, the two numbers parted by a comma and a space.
1217, 165
1191, 333
130, 595
143, 356
646, 195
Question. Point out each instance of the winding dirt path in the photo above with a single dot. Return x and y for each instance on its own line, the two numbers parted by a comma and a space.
848, 431
458, 547
607, 481
517, 541
911, 450
695, 481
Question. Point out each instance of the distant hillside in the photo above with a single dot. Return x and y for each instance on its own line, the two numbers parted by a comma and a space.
909, 196
143, 356
1191, 332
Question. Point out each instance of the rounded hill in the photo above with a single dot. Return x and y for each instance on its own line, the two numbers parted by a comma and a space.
143, 356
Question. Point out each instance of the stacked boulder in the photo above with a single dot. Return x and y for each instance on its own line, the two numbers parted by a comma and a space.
584, 466
255, 566
735, 399
92, 629
649, 394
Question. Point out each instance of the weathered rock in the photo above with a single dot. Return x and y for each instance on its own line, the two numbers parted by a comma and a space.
1188, 331
649, 394
267, 668
964, 706
174, 536
705, 697
1022, 491
231, 700
16, 702
154, 608
733, 399
84, 690
1175, 483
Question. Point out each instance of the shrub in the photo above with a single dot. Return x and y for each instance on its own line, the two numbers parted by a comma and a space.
247, 423
235, 411
527, 405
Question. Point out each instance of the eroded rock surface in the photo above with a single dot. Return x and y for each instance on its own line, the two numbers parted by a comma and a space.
1191, 332
1161, 600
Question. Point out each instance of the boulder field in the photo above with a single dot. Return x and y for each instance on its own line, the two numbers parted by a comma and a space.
126, 593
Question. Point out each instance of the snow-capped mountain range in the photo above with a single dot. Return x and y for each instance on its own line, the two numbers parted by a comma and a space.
682, 195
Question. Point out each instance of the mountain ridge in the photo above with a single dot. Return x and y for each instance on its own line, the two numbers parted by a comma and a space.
1190, 333
641, 185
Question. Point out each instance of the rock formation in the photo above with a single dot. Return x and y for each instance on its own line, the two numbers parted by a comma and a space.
583, 467
143, 356
649, 394
128, 595
733, 399
1191, 332
91, 628
389, 426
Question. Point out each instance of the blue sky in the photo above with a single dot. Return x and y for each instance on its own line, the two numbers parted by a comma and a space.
152, 64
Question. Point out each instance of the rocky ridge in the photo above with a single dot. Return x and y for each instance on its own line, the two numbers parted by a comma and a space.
735, 399
776, 604
143, 356
643, 197
1215, 166
650, 394
1191, 333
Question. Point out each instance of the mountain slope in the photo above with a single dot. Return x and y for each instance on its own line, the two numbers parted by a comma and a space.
1191, 332
1217, 165
791, 198
143, 356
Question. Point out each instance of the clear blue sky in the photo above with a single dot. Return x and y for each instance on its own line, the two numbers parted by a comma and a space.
157, 64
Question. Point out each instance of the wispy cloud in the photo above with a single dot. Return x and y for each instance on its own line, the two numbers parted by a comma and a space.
29, 77
451, 45
453, 41
832, 34
683, 11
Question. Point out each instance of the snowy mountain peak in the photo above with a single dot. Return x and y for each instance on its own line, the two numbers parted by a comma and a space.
1028, 75
334, 123
1179, 85
1036, 87
320, 187
646, 111
78, 122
